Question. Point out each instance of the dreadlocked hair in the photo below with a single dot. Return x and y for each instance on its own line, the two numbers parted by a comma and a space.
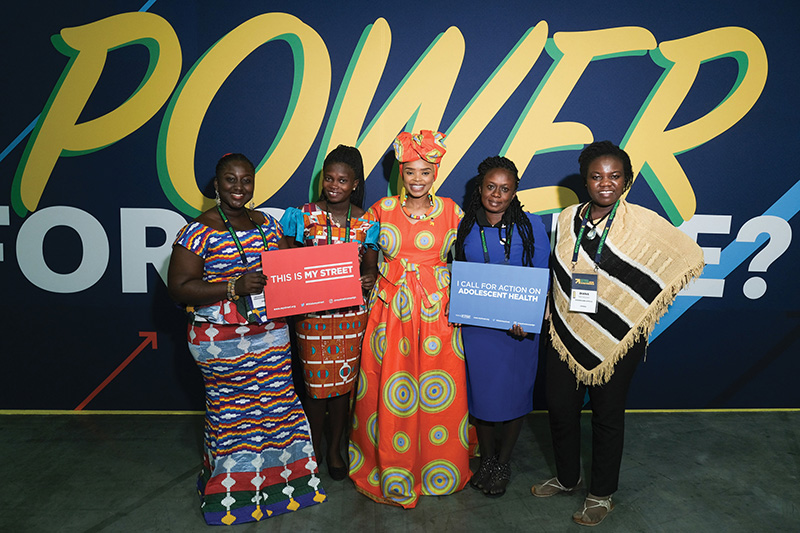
351, 157
513, 217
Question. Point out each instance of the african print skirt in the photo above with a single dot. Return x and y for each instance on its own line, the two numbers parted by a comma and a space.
330, 348
259, 461
410, 435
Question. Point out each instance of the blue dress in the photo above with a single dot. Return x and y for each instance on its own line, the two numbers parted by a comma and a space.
501, 369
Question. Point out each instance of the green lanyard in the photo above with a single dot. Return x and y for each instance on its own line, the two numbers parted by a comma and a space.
328, 224
236, 239
509, 234
602, 239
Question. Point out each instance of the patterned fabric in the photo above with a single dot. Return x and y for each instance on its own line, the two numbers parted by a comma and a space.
258, 461
330, 348
645, 263
223, 262
410, 430
426, 144
308, 226
329, 344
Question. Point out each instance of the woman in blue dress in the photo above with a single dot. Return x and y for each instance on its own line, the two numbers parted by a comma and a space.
501, 365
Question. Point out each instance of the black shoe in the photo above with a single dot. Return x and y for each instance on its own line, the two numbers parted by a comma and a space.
337, 473
498, 480
481, 477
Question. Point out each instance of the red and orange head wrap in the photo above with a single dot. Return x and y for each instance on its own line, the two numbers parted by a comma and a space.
426, 145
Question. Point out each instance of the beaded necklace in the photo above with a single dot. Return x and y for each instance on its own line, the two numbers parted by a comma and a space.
411, 215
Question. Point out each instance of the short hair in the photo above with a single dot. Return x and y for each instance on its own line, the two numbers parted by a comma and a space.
351, 157
227, 159
606, 148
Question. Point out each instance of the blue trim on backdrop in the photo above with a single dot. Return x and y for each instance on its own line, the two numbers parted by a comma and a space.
732, 256
19, 138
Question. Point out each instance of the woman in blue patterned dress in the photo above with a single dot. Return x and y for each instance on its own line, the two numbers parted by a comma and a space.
258, 461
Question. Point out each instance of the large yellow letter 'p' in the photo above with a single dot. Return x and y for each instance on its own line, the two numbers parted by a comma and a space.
58, 132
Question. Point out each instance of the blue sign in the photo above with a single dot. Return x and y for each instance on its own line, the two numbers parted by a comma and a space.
498, 296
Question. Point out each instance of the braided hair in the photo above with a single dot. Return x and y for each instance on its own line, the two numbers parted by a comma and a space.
514, 215
351, 157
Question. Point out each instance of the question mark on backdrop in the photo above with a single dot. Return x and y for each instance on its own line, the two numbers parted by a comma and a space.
780, 236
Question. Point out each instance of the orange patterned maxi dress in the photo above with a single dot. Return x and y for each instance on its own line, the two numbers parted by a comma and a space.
410, 429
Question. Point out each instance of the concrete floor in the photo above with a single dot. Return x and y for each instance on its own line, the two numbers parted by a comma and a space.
687, 471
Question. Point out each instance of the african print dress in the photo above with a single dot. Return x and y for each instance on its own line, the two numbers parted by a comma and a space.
410, 427
329, 343
258, 460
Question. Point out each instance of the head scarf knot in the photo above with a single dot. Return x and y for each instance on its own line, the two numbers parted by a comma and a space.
426, 145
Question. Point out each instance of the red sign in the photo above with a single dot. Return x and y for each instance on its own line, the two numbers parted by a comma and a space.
314, 278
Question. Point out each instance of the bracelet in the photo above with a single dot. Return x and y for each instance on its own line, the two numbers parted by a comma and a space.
232, 296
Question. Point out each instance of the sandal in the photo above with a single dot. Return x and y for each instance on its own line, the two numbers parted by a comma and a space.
481, 477
593, 514
553, 486
496, 487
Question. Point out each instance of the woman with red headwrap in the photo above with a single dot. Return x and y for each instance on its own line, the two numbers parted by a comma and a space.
409, 433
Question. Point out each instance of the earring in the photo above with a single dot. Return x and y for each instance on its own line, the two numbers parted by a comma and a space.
217, 199
252, 205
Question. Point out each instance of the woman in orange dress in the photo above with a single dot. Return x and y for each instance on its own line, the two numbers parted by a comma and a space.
410, 426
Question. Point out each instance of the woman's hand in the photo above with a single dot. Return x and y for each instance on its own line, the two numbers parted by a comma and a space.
447, 314
368, 282
517, 331
250, 283
369, 269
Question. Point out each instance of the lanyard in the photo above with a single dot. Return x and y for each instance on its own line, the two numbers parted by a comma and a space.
602, 239
328, 224
236, 239
509, 234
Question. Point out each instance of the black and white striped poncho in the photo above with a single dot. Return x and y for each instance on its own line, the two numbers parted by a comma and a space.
645, 263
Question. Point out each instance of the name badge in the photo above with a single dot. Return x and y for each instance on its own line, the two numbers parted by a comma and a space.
257, 301
583, 297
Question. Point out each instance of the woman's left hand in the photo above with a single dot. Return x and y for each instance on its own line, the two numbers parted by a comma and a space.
447, 314
250, 283
517, 331
368, 282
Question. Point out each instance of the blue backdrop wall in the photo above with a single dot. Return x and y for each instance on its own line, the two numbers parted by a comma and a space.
115, 112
